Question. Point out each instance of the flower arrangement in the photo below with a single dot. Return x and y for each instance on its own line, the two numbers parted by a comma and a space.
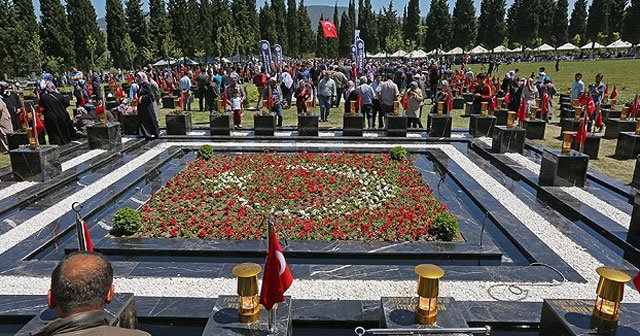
310, 196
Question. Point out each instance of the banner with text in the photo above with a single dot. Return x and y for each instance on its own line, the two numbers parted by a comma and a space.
265, 55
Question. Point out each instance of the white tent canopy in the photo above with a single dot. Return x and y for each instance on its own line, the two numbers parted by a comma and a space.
544, 47
398, 54
416, 54
619, 44
455, 51
500, 49
568, 47
436, 51
171, 60
478, 50
591, 45
380, 55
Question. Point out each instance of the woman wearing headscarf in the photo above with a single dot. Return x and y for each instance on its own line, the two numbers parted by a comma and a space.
148, 120
529, 95
286, 85
303, 93
350, 95
56, 118
415, 101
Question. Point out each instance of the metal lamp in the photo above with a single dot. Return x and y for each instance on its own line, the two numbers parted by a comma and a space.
499, 102
609, 293
624, 113
578, 112
614, 102
396, 108
440, 109
511, 117
352, 107
428, 278
638, 126
575, 102
483, 108
265, 107
249, 308
567, 139
534, 113
309, 107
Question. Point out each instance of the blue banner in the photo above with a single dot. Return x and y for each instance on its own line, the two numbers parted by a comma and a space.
265, 54
360, 55
278, 56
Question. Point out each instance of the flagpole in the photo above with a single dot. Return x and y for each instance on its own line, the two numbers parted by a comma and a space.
271, 329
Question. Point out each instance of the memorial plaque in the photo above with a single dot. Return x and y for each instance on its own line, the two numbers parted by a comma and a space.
535, 128
573, 318
179, 124
38, 165
106, 137
508, 140
220, 124
224, 320
353, 125
400, 312
563, 169
264, 125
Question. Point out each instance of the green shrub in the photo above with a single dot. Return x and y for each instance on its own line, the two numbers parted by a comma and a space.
444, 227
126, 222
205, 152
398, 153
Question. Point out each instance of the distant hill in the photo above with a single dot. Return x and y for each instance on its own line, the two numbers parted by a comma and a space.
315, 11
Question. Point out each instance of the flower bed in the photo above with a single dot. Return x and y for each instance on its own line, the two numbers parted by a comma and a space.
310, 196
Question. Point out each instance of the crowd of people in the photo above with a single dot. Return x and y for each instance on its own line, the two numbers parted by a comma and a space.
220, 87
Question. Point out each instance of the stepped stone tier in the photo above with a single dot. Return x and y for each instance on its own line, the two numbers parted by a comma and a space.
516, 205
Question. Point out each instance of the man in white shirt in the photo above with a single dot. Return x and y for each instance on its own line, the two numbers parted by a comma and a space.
185, 86
388, 93
577, 89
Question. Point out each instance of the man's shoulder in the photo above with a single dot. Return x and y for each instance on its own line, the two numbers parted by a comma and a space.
106, 331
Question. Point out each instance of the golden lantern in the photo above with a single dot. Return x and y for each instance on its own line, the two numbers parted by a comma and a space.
249, 308
396, 108
440, 109
568, 90
605, 98
352, 107
511, 117
309, 107
177, 104
428, 283
534, 113
135, 106
103, 118
567, 139
265, 107
499, 102
456, 93
575, 102
221, 106
609, 293
624, 113
614, 102
578, 112
638, 126
33, 141
483, 108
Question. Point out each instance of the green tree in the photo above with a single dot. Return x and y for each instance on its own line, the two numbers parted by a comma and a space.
388, 25
368, 30
598, 21
560, 23
55, 32
321, 41
6, 27
616, 14
225, 33
491, 23
280, 16
352, 17
631, 28
305, 33
522, 22
116, 30
22, 19
438, 24
546, 15
345, 35
333, 44
129, 50
243, 17
464, 24
205, 16
413, 19
137, 29
82, 17
158, 25
268, 30
292, 25
578, 20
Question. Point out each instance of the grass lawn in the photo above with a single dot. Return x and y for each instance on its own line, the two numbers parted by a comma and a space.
619, 72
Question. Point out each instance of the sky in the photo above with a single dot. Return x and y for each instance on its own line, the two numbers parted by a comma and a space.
377, 4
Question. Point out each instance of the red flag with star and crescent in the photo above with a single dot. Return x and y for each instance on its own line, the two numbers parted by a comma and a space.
636, 281
329, 29
277, 277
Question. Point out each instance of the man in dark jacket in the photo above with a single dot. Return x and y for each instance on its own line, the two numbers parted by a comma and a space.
81, 287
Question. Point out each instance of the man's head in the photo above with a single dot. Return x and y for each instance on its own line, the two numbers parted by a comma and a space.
81, 282
599, 78
541, 69
578, 76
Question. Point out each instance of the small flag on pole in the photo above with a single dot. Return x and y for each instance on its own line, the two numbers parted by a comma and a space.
636, 281
84, 238
277, 277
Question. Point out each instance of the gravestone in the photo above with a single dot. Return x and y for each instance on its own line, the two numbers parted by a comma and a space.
563, 169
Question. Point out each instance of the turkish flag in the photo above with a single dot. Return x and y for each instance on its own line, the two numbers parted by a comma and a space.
591, 106
581, 136
636, 281
277, 277
522, 111
614, 93
635, 107
100, 108
329, 29
507, 98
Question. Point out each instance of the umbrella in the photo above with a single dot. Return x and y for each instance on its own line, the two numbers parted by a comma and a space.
455, 51
591, 45
543, 48
620, 44
568, 47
